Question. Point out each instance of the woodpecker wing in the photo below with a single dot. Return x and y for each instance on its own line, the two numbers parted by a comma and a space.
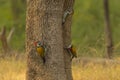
73, 50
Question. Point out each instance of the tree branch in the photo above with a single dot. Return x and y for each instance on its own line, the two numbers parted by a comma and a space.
10, 34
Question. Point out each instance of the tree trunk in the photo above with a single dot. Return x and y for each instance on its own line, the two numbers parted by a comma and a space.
15, 9
108, 33
23, 1
4, 41
68, 6
44, 23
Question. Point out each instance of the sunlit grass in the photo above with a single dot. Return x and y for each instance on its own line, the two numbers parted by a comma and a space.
12, 69
96, 72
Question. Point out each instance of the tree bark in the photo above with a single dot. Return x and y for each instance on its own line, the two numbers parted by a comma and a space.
68, 5
108, 33
44, 23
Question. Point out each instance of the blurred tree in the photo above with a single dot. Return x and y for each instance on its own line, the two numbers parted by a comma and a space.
17, 7
108, 33
4, 40
44, 23
18, 10
15, 10
23, 1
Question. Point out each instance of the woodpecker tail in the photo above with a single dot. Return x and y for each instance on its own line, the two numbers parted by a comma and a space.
43, 59
73, 57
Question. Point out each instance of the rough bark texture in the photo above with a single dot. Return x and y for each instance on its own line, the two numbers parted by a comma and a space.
108, 33
44, 23
68, 5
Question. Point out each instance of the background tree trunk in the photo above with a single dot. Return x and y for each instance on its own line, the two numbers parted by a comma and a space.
44, 23
4, 41
15, 10
108, 33
68, 6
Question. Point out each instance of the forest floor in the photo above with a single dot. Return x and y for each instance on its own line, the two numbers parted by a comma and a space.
82, 69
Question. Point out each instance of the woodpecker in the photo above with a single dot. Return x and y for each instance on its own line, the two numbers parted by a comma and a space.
66, 14
40, 50
72, 51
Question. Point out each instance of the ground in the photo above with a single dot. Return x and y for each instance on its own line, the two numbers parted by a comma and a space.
14, 69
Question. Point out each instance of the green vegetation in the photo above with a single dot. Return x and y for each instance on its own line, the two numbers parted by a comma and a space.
6, 19
87, 28
87, 35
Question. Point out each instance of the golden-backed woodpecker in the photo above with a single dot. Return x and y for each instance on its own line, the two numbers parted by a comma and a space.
72, 51
40, 50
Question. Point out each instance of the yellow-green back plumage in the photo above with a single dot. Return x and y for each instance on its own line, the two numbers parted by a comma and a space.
40, 51
73, 51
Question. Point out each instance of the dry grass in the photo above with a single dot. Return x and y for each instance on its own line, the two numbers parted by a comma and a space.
11, 69
93, 71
